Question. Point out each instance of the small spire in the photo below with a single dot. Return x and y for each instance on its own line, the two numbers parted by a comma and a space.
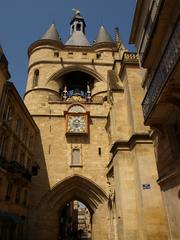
51, 33
103, 36
77, 31
117, 35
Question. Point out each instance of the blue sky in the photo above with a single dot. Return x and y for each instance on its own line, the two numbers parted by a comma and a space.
24, 21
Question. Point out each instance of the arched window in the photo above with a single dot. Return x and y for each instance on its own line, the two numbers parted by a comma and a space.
35, 78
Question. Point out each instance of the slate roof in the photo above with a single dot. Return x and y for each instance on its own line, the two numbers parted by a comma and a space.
103, 36
77, 39
51, 34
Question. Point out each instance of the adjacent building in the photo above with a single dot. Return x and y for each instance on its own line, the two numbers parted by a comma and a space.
18, 134
4, 73
156, 34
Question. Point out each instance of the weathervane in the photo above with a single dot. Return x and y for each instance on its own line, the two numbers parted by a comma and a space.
77, 11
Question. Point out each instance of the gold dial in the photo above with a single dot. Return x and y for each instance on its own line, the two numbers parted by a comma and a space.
76, 124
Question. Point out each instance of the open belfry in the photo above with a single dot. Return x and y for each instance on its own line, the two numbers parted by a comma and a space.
93, 146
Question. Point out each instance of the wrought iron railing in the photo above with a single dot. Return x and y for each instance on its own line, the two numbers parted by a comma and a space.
163, 71
14, 167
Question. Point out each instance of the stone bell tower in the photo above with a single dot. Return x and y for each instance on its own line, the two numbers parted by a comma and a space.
82, 97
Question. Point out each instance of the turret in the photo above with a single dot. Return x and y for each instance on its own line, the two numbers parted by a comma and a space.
77, 31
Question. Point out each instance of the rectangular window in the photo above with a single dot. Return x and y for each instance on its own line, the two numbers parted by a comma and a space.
14, 152
8, 113
2, 145
75, 157
18, 195
28, 166
30, 144
18, 126
25, 197
22, 159
25, 134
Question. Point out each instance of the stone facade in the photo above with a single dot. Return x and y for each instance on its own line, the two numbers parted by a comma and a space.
113, 172
17, 165
157, 41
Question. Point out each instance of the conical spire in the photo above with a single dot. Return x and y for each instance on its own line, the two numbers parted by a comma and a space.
103, 36
51, 34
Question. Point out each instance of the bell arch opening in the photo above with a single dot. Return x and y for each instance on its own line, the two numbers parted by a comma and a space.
75, 83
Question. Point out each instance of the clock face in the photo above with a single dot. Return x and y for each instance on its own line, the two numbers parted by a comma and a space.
76, 124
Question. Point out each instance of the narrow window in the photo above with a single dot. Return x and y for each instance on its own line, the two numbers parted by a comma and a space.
25, 197
22, 159
78, 27
25, 133
18, 126
8, 113
2, 146
98, 55
31, 139
56, 54
99, 151
75, 156
14, 152
28, 164
35, 78
9, 191
18, 195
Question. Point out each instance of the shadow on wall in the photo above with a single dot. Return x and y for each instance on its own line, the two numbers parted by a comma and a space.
40, 185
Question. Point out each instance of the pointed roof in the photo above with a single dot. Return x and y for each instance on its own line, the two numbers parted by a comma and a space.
103, 36
77, 39
51, 34
1, 52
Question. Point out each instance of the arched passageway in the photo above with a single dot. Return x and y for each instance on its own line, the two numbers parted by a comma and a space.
52, 208
75, 222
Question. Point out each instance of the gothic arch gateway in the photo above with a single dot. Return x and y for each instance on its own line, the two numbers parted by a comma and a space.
75, 187
79, 150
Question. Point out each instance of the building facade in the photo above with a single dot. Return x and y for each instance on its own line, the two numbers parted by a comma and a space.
17, 165
156, 34
93, 146
4, 73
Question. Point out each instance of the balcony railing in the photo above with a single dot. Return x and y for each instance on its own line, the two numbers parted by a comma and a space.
15, 168
163, 71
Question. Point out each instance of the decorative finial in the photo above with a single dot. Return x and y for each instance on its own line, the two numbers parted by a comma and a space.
77, 11
117, 35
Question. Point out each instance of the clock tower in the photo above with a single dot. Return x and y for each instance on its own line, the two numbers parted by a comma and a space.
93, 147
